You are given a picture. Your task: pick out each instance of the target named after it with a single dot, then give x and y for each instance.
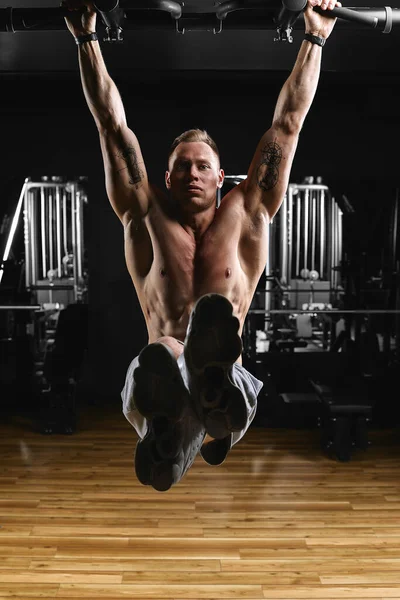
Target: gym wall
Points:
(349, 139)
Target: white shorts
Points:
(245, 381)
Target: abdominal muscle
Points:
(182, 271)
(167, 298)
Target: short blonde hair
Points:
(194, 135)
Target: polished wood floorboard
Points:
(278, 520)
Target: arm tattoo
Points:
(129, 156)
(268, 171)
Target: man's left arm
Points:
(269, 171)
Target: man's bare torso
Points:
(176, 269)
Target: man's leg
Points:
(224, 394)
(215, 451)
(160, 410)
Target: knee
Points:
(166, 339)
(173, 343)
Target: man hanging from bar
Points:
(194, 266)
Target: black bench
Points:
(345, 413)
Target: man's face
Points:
(194, 176)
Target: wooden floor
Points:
(277, 520)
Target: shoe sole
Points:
(160, 396)
(212, 346)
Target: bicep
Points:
(269, 171)
(125, 172)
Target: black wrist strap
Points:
(88, 37)
(314, 39)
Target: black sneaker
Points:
(212, 346)
(174, 434)
(215, 452)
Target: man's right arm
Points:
(269, 171)
(126, 178)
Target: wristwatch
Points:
(314, 39)
(88, 37)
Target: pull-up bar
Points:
(147, 15)
(112, 14)
(291, 10)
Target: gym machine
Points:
(117, 16)
(314, 333)
(56, 293)
(301, 280)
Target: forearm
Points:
(101, 93)
(299, 89)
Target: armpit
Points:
(133, 223)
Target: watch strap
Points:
(315, 39)
(87, 37)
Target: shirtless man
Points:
(194, 266)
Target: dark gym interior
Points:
(73, 346)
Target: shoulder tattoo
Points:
(129, 156)
(268, 169)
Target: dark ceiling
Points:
(49, 48)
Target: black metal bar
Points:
(52, 19)
(105, 5)
(112, 16)
(32, 19)
(292, 8)
(136, 20)
(169, 6)
(229, 6)
(266, 19)
(294, 5)
(285, 21)
(349, 15)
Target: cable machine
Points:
(52, 214)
